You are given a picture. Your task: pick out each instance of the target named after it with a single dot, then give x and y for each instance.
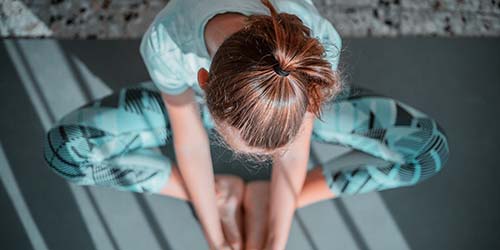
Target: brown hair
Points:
(245, 91)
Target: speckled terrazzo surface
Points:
(107, 19)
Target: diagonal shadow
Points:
(49, 119)
(101, 217)
(340, 207)
(122, 56)
(302, 225)
(153, 223)
(33, 79)
(78, 76)
(306, 231)
(349, 222)
(145, 208)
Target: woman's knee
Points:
(435, 152)
(425, 159)
(66, 151)
(69, 153)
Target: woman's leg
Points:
(229, 191)
(256, 205)
(315, 188)
(175, 186)
(399, 130)
(407, 145)
(395, 145)
(109, 142)
(106, 142)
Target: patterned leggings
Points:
(108, 142)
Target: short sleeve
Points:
(321, 28)
(330, 38)
(162, 58)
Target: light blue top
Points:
(173, 47)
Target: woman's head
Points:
(255, 106)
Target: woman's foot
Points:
(256, 206)
(229, 191)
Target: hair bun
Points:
(251, 86)
(294, 48)
(277, 68)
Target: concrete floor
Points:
(454, 80)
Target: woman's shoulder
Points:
(321, 27)
(168, 47)
(173, 50)
(170, 28)
(179, 24)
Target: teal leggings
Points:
(109, 142)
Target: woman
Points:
(272, 86)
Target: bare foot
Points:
(229, 191)
(256, 206)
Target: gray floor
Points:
(454, 80)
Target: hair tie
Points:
(280, 71)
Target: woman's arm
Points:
(288, 175)
(192, 151)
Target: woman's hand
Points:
(229, 190)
